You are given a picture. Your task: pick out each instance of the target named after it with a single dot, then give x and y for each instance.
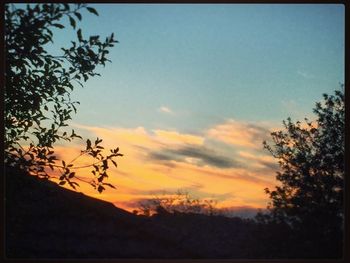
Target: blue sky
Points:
(211, 62)
(193, 90)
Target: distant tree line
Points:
(180, 202)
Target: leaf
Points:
(105, 164)
(77, 15)
(94, 38)
(110, 185)
(88, 144)
(80, 37)
(66, 6)
(100, 188)
(115, 164)
(91, 54)
(72, 185)
(92, 10)
(72, 22)
(58, 25)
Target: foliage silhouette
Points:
(38, 86)
(309, 198)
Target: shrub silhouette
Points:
(38, 86)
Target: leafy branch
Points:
(38, 84)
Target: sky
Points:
(194, 89)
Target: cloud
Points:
(165, 109)
(193, 191)
(240, 175)
(199, 155)
(240, 133)
(260, 161)
(171, 137)
(209, 164)
(207, 157)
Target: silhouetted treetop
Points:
(309, 196)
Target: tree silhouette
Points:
(180, 202)
(38, 86)
(309, 197)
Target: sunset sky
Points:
(193, 90)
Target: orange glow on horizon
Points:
(139, 177)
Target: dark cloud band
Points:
(204, 155)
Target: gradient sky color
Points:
(193, 90)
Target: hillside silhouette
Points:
(44, 220)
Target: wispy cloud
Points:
(259, 161)
(174, 137)
(240, 133)
(165, 109)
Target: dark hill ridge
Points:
(44, 220)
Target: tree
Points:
(38, 86)
(311, 176)
(181, 202)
